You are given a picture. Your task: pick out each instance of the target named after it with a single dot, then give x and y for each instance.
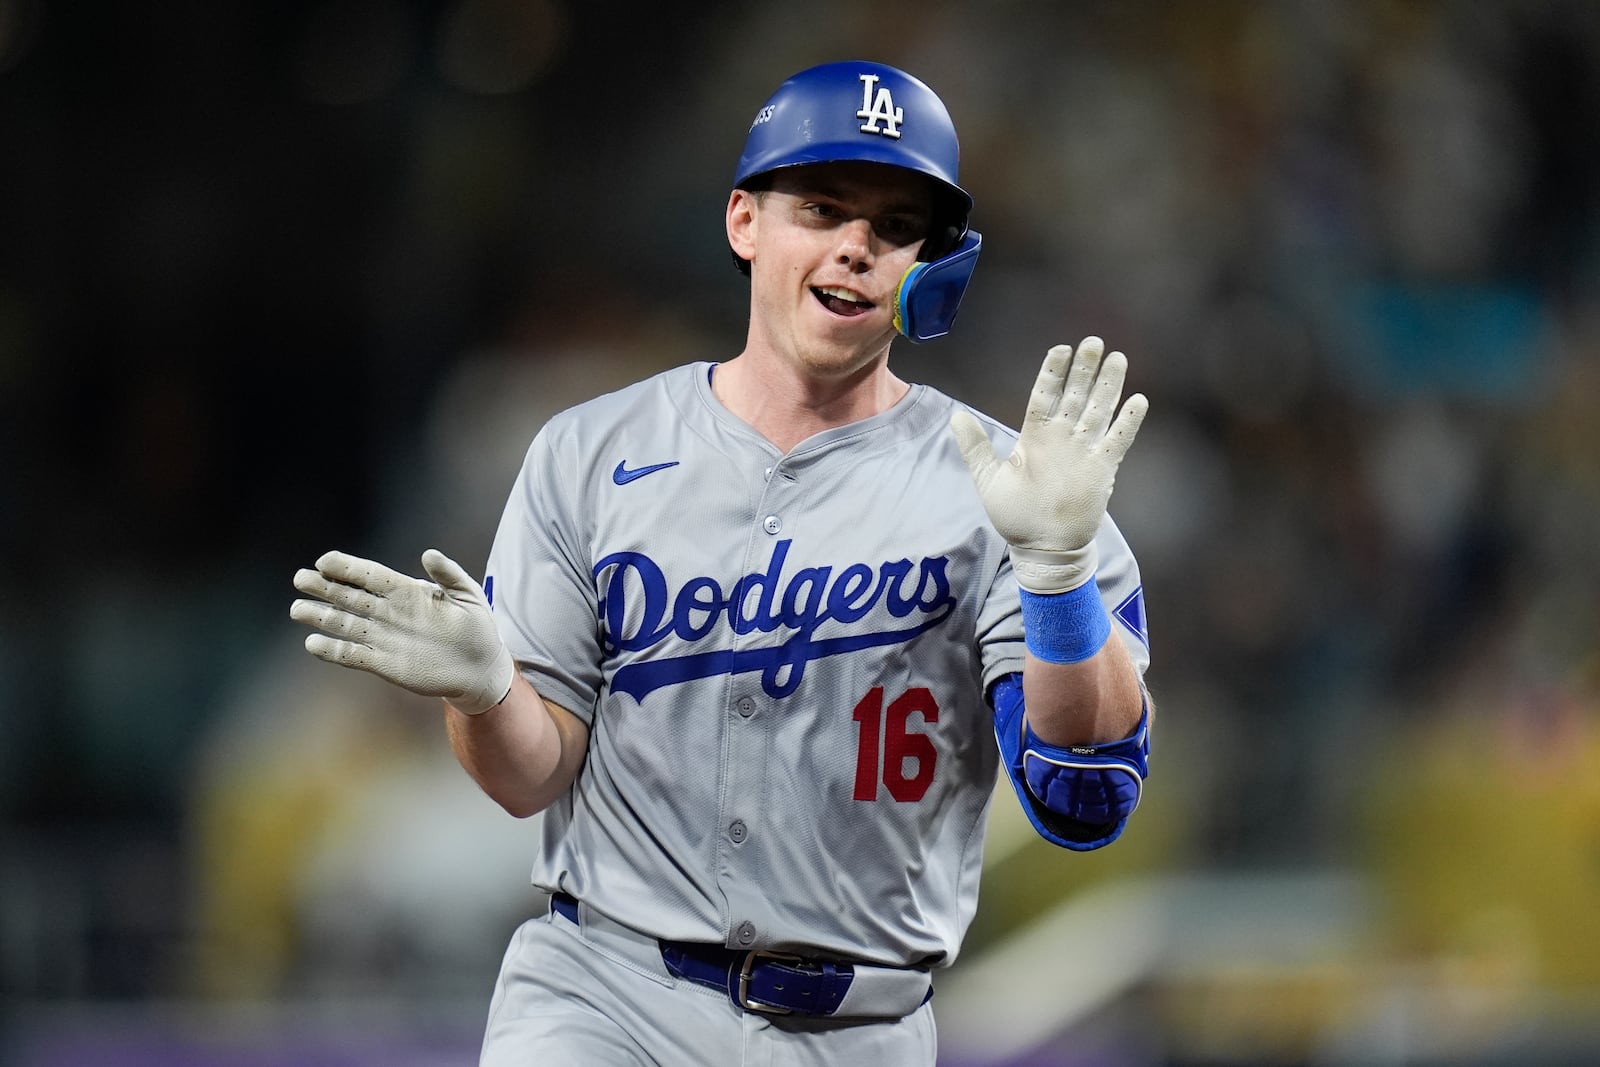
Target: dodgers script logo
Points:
(801, 604)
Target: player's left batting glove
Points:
(436, 638)
(1049, 497)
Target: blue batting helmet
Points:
(868, 112)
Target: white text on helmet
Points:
(879, 108)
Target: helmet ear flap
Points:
(929, 295)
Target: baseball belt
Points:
(776, 983)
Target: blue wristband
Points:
(1065, 627)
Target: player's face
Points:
(828, 245)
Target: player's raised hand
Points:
(434, 637)
(1048, 498)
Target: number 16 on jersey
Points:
(887, 746)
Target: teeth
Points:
(842, 294)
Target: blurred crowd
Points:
(282, 278)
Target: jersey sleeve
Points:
(999, 628)
(1122, 592)
(541, 590)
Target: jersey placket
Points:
(750, 712)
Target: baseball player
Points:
(756, 636)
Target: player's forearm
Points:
(524, 753)
(1092, 702)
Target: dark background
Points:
(280, 278)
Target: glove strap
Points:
(1041, 571)
(1065, 627)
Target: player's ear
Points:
(741, 222)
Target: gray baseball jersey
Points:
(782, 660)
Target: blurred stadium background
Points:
(276, 278)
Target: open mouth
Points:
(841, 301)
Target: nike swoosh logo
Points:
(622, 475)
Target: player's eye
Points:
(901, 229)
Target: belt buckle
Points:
(751, 958)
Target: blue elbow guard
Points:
(1078, 797)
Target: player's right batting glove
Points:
(436, 638)
(1048, 498)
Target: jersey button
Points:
(772, 524)
(737, 831)
(746, 706)
(767, 474)
(746, 933)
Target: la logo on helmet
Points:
(879, 108)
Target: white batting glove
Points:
(436, 638)
(1048, 498)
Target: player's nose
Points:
(855, 247)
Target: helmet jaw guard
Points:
(872, 113)
(926, 301)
